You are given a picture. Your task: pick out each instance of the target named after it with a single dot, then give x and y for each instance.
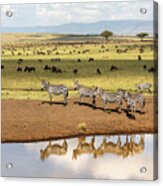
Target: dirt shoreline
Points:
(32, 121)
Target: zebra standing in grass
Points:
(109, 98)
(85, 92)
(132, 99)
(144, 86)
(55, 89)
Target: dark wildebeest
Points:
(91, 59)
(75, 71)
(113, 68)
(145, 67)
(2, 67)
(139, 58)
(55, 89)
(152, 69)
(98, 71)
(46, 67)
(19, 69)
(79, 60)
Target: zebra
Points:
(55, 89)
(85, 92)
(144, 86)
(132, 99)
(106, 97)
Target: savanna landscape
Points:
(106, 61)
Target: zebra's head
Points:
(76, 85)
(126, 95)
(99, 91)
(121, 92)
(44, 85)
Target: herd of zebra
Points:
(107, 97)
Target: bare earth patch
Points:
(30, 121)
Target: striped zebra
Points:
(55, 89)
(109, 98)
(85, 92)
(144, 86)
(132, 99)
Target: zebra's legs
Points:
(65, 100)
(94, 101)
(104, 105)
(50, 98)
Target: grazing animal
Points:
(54, 149)
(91, 59)
(46, 67)
(29, 69)
(75, 71)
(132, 100)
(113, 68)
(152, 69)
(144, 86)
(145, 67)
(139, 58)
(26, 69)
(98, 71)
(2, 67)
(79, 60)
(85, 92)
(20, 61)
(19, 69)
(55, 89)
(109, 98)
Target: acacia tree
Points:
(106, 34)
(142, 35)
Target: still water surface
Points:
(102, 157)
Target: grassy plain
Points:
(104, 53)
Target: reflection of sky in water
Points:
(26, 161)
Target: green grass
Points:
(130, 70)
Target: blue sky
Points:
(61, 13)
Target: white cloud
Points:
(60, 13)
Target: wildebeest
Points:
(85, 92)
(144, 67)
(152, 69)
(19, 69)
(91, 59)
(79, 60)
(144, 86)
(55, 89)
(75, 71)
(46, 67)
(139, 58)
(2, 67)
(29, 69)
(20, 61)
(109, 97)
(98, 71)
(132, 99)
(113, 68)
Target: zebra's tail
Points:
(143, 103)
(67, 93)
